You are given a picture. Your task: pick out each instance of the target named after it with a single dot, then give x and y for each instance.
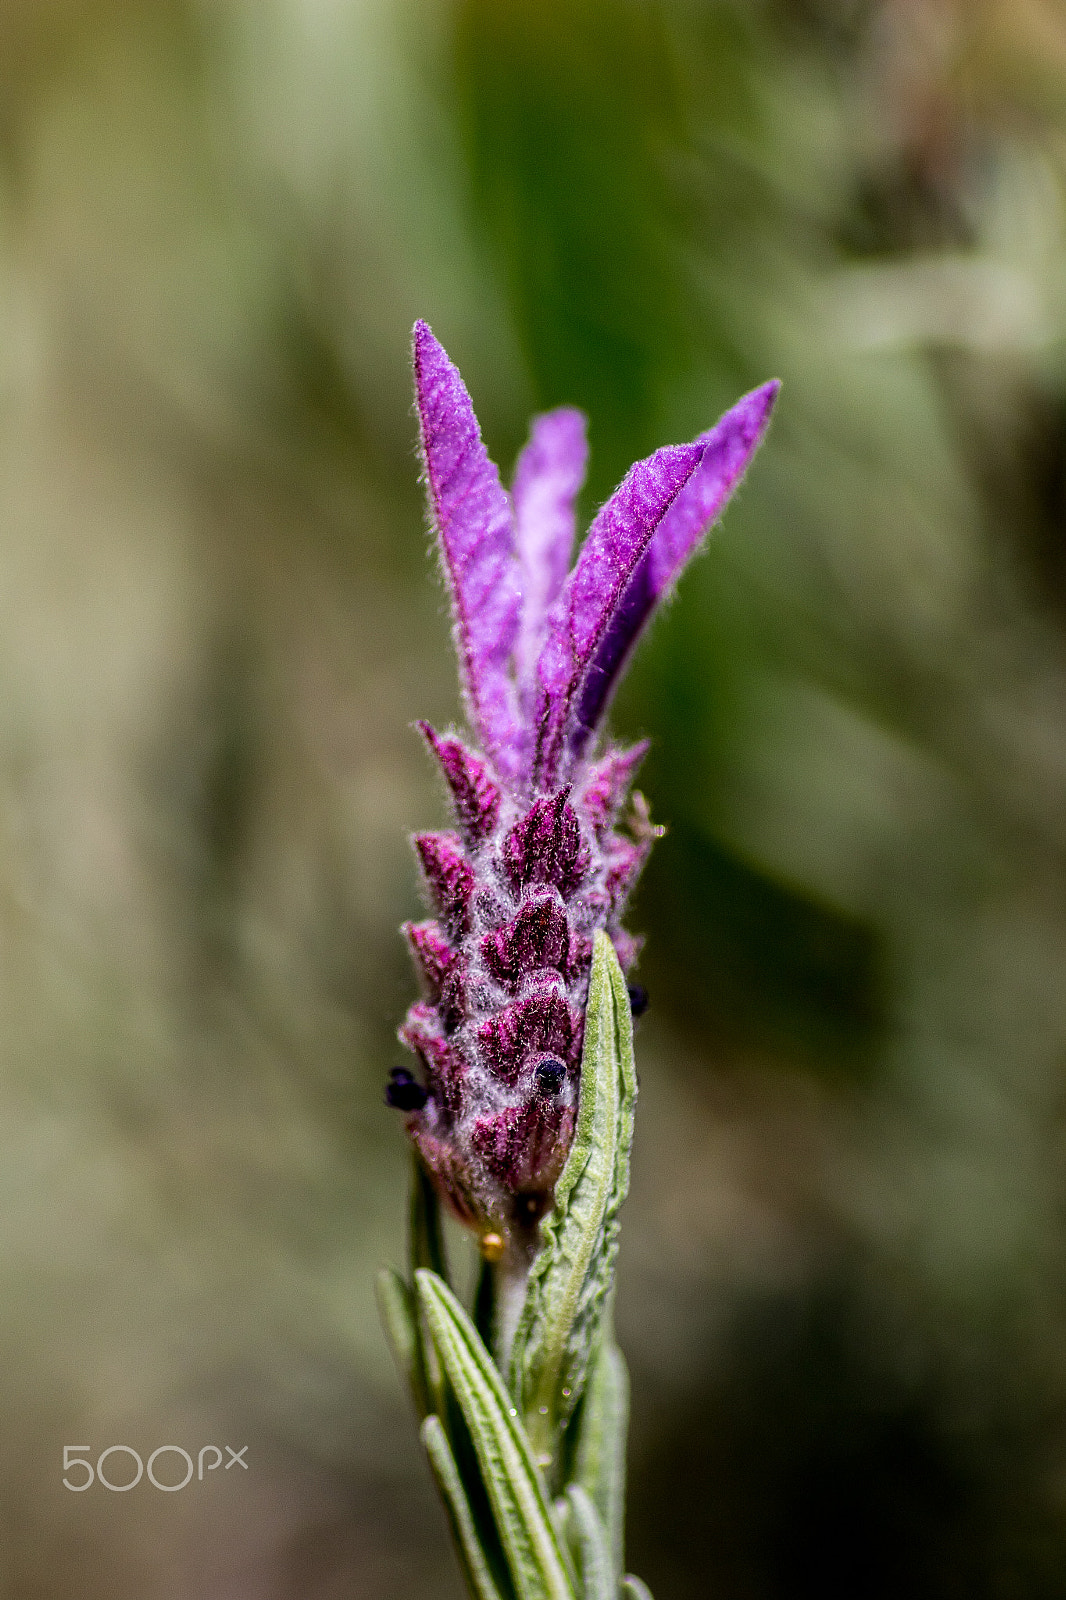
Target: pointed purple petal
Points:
(474, 524)
(475, 797)
(625, 859)
(448, 1171)
(540, 1020)
(545, 846)
(608, 780)
(434, 956)
(583, 612)
(449, 877)
(549, 474)
(444, 1067)
(525, 1146)
(537, 938)
(728, 448)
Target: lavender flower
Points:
(545, 850)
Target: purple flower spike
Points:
(547, 850)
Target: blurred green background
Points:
(843, 1283)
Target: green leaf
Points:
(426, 1233)
(472, 1557)
(571, 1279)
(397, 1308)
(600, 1454)
(634, 1588)
(426, 1248)
(598, 1581)
(486, 1306)
(539, 1568)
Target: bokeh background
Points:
(843, 1282)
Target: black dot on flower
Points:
(549, 1074)
(403, 1091)
(638, 999)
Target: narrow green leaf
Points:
(571, 1279)
(472, 1557)
(600, 1455)
(539, 1568)
(598, 1581)
(634, 1588)
(397, 1307)
(426, 1233)
(426, 1248)
(485, 1304)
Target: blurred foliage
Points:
(844, 1252)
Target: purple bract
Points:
(545, 849)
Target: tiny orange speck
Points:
(492, 1246)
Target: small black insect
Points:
(638, 999)
(403, 1091)
(549, 1074)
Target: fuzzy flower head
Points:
(547, 842)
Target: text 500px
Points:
(118, 1477)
